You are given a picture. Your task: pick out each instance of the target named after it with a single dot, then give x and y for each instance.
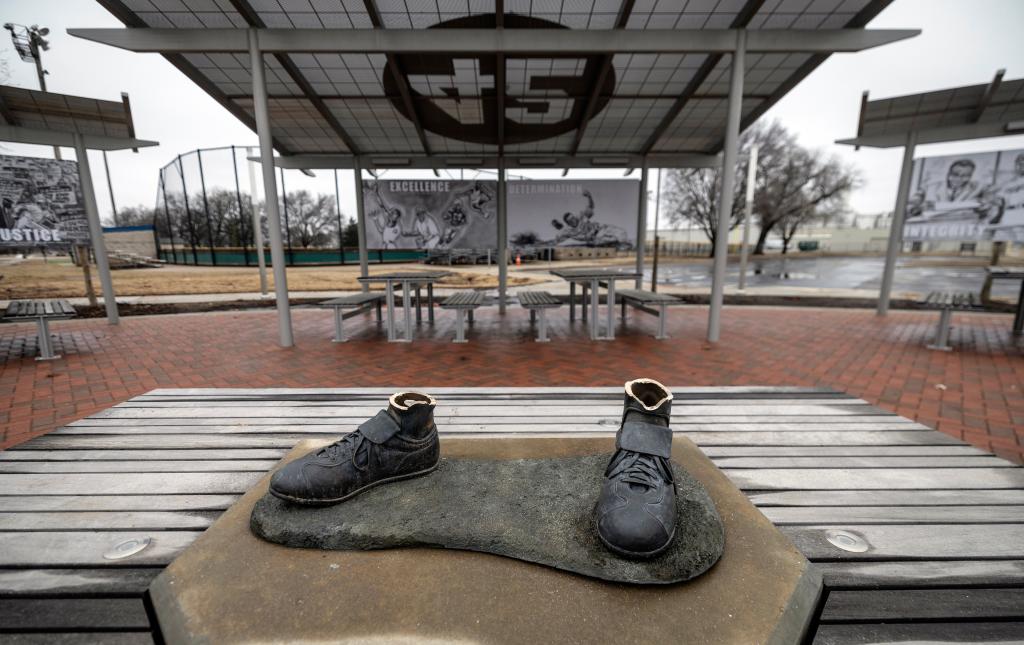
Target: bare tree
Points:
(813, 188)
(794, 186)
(312, 221)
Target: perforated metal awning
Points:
(610, 104)
(970, 112)
(32, 116)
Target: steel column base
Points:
(45, 343)
(942, 333)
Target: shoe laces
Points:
(640, 469)
(354, 442)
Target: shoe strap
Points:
(380, 428)
(646, 438)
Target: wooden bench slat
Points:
(937, 632)
(56, 614)
(924, 604)
(23, 582)
(922, 573)
(961, 300)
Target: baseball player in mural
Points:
(425, 230)
(478, 196)
(387, 220)
(580, 229)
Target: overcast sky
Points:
(962, 43)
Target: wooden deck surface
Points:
(944, 520)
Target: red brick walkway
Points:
(975, 392)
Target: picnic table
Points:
(42, 312)
(593, 278)
(919, 536)
(1005, 273)
(408, 280)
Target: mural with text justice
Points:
(978, 196)
(41, 203)
(430, 214)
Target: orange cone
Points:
(519, 260)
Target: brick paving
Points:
(975, 392)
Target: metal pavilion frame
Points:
(257, 41)
(898, 127)
(66, 133)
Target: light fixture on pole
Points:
(30, 42)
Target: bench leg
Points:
(45, 343)
(583, 302)
(389, 295)
(610, 332)
(1018, 318)
(471, 320)
(339, 332)
(542, 330)
(378, 311)
(533, 316)
(419, 305)
(661, 323)
(572, 301)
(460, 331)
(623, 310)
(430, 302)
(406, 310)
(942, 333)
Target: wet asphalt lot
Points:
(841, 273)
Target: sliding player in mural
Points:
(581, 229)
(387, 220)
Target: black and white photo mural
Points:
(592, 213)
(430, 214)
(976, 196)
(41, 203)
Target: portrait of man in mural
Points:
(957, 196)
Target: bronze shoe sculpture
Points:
(400, 442)
(636, 511)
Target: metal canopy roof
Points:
(970, 112)
(557, 106)
(33, 116)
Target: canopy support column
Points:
(892, 252)
(364, 258)
(732, 136)
(92, 214)
(259, 94)
(747, 214)
(502, 237)
(257, 225)
(641, 227)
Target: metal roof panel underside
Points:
(646, 103)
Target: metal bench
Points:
(41, 311)
(539, 301)
(358, 301)
(643, 300)
(462, 302)
(945, 302)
